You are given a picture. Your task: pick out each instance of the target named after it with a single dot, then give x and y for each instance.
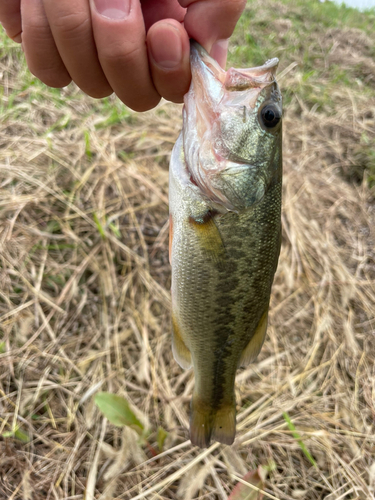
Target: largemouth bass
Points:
(225, 231)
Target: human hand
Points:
(138, 49)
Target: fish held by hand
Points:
(225, 231)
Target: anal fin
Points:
(254, 346)
(180, 352)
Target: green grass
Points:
(85, 281)
(299, 439)
(260, 35)
(264, 31)
(256, 36)
(256, 39)
(305, 37)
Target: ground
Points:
(85, 278)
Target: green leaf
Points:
(22, 436)
(2, 347)
(298, 438)
(114, 230)
(99, 226)
(53, 227)
(270, 467)
(117, 410)
(87, 143)
(18, 434)
(161, 436)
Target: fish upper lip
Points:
(258, 76)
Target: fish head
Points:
(232, 130)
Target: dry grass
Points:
(84, 306)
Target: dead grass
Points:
(84, 306)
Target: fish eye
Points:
(270, 115)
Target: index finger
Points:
(10, 18)
(120, 37)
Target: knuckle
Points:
(72, 24)
(115, 52)
(119, 56)
(35, 26)
(37, 35)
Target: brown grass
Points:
(82, 311)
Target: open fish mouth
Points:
(205, 70)
(221, 108)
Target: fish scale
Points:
(225, 207)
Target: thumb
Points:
(211, 23)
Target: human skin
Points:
(138, 49)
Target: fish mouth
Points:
(237, 79)
(213, 92)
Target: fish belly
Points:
(222, 271)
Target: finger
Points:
(168, 49)
(70, 23)
(120, 38)
(10, 18)
(166, 9)
(42, 56)
(212, 22)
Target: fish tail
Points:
(207, 424)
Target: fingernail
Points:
(113, 9)
(17, 38)
(166, 48)
(219, 52)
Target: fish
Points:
(225, 187)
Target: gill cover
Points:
(232, 130)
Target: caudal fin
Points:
(206, 424)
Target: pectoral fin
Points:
(180, 352)
(253, 348)
(209, 236)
